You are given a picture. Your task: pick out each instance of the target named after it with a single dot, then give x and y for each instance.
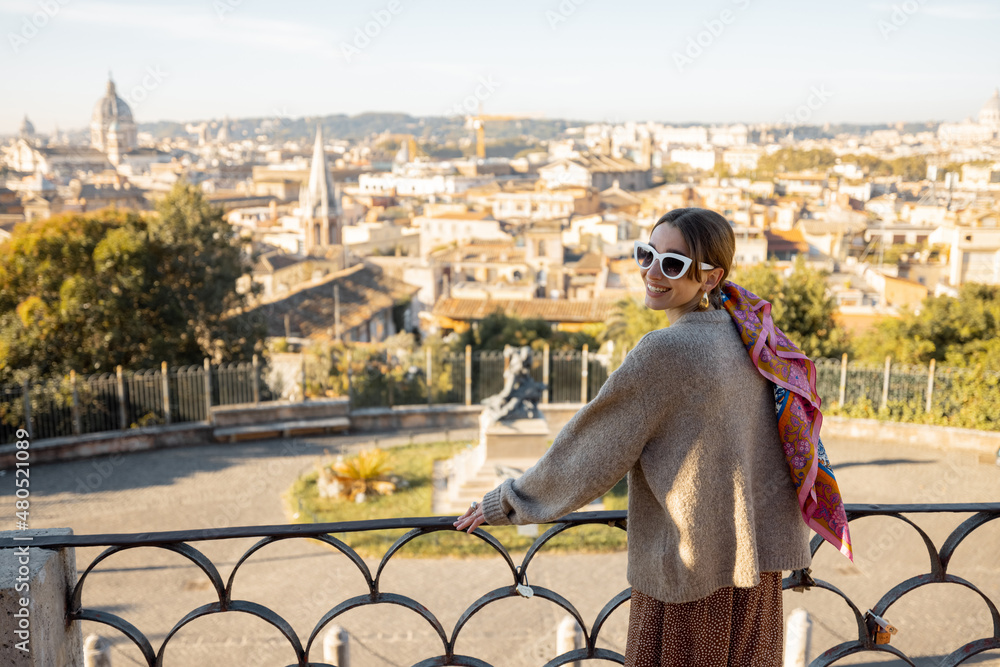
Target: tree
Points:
(87, 292)
(791, 159)
(799, 306)
(963, 331)
(631, 321)
(498, 329)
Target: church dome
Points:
(112, 130)
(990, 113)
(111, 108)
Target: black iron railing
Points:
(177, 541)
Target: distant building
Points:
(370, 303)
(595, 171)
(974, 255)
(112, 129)
(545, 204)
(970, 133)
(319, 204)
(440, 229)
(696, 158)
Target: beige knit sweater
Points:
(692, 422)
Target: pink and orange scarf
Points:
(799, 418)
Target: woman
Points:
(714, 513)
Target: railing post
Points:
(336, 650)
(208, 391)
(256, 380)
(545, 373)
(165, 383)
(76, 403)
(427, 372)
(350, 385)
(583, 374)
(468, 375)
(568, 637)
(39, 624)
(26, 397)
(843, 380)
(930, 386)
(122, 413)
(885, 384)
(797, 638)
(303, 375)
(388, 377)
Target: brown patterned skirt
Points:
(730, 627)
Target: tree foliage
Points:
(799, 306)
(87, 292)
(498, 329)
(963, 331)
(631, 321)
(791, 159)
(910, 168)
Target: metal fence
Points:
(179, 542)
(77, 405)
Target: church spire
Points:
(319, 179)
(319, 201)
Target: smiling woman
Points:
(713, 512)
(686, 261)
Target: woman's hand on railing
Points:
(472, 519)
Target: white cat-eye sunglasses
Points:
(672, 265)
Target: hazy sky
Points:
(757, 60)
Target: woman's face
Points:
(680, 295)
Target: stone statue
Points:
(520, 394)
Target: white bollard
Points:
(797, 638)
(335, 648)
(568, 637)
(96, 651)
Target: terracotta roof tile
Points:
(365, 290)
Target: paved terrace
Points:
(241, 484)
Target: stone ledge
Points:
(901, 433)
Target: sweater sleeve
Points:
(595, 449)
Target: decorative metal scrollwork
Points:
(177, 541)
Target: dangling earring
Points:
(705, 303)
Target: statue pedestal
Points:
(517, 439)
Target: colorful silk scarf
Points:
(799, 418)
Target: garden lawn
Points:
(415, 464)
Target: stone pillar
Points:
(797, 638)
(336, 648)
(44, 580)
(568, 637)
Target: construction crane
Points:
(478, 122)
